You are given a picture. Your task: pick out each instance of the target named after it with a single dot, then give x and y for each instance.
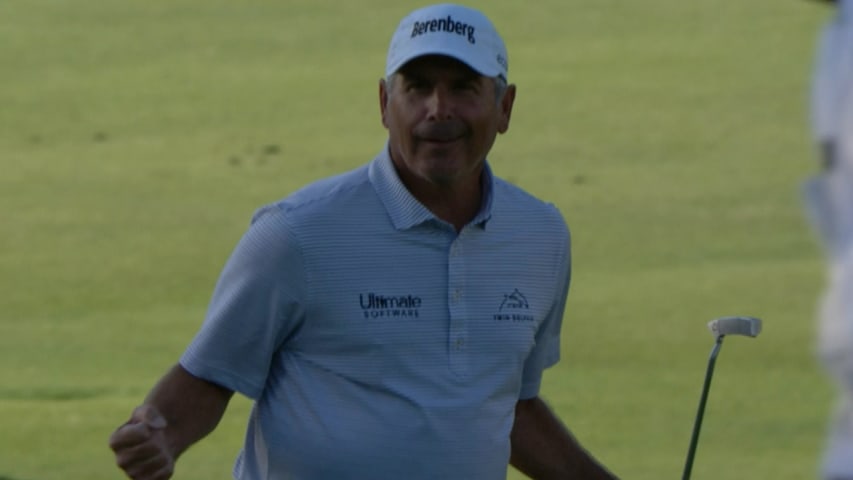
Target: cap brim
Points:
(444, 50)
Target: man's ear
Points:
(383, 101)
(506, 108)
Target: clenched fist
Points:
(141, 448)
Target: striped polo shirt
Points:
(376, 340)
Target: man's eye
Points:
(417, 86)
(467, 86)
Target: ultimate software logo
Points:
(386, 306)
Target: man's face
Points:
(442, 119)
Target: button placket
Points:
(457, 341)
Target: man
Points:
(392, 322)
(829, 202)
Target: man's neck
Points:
(456, 204)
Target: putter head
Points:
(746, 326)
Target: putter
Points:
(745, 326)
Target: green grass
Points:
(136, 139)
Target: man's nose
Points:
(440, 104)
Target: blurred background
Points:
(138, 137)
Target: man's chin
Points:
(436, 148)
(446, 175)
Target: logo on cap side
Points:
(445, 25)
(502, 61)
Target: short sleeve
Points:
(547, 350)
(256, 306)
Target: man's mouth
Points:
(447, 132)
(442, 140)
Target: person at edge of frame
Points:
(393, 321)
(828, 198)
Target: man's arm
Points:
(543, 449)
(180, 410)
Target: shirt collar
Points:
(403, 208)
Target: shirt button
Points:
(460, 343)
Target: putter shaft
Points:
(697, 424)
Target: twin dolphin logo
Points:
(514, 308)
(445, 25)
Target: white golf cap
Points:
(451, 30)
